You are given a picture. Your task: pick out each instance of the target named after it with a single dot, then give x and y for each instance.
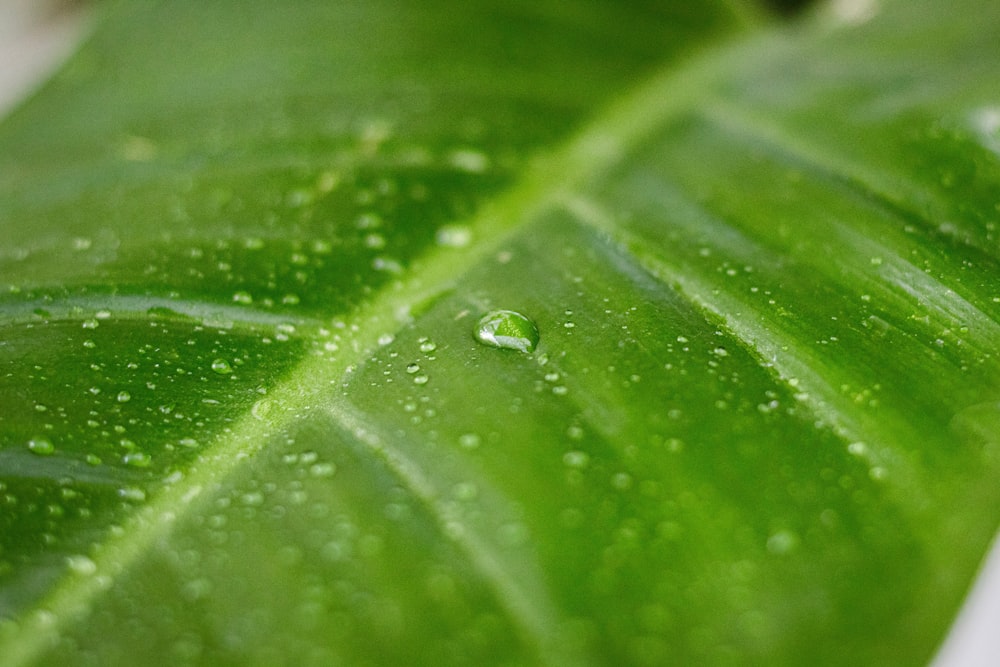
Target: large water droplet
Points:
(222, 367)
(507, 330)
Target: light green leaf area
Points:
(247, 415)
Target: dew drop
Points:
(420, 379)
(428, 346)
(469, 440)
(453, 236)
(132, 494)
(222, 367)
(782, 542)
(507, 330)
(412, 368)
(137, 459)
(323, 470)
(81, 565)
(576, 459)
(124, 397)
(243, 297)
(41, 446)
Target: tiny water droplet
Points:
(420, 379)
(137, 459)
(323, 470)
(427, 346)
(375, 241)
(412, 368)
(469, 160)
(41, 446)
(469, 440)
(508, 330)
(782, 542)
(243, 297)
(81, 565)
(621, 481)
(132, 494)
(453, 236)
(124, 397)
(222, 367)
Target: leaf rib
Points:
(776, 350)
(523, 597)
(942, 292)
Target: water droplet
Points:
(621, 481)
(124, 397)
(507, 330)
(81, 565)
(469, 160)
(453, 236)
(857, 448)
(41, 446)
(412, 368)
(782, 542)
(132, 494)
(428, 346)
(323, 470)
(137, 459)
(469, 440)
(222, 367)
(420, 379)
(576, 459)
(375, 241)
(243, 297)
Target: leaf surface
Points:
(246, 420)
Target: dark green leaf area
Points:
(321, 86)
(350, 564)
(102, 413)
(317, 245)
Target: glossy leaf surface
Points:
(246, 253)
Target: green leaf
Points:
(751, 410)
